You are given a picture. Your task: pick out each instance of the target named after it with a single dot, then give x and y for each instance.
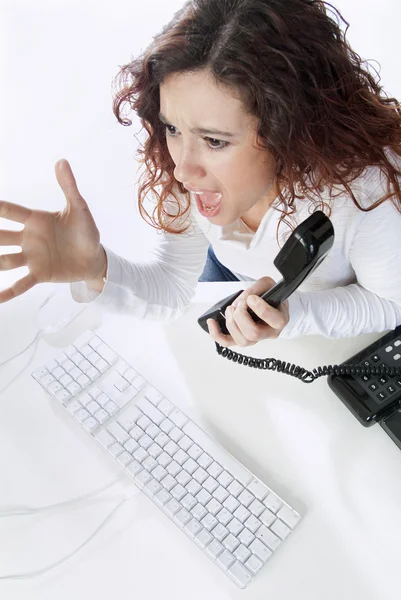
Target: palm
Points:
(56, 246)
(60, 246)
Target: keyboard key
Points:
(193, 487)
(224, 478)
(183, 517)
(204, 460)
(200, 475)
(209, 522)
(143, 477)
(260, 550)
(242, 553)
(214, 469)
(178, 492)
(252, 523)
(131, 446)
(240, 575)
(214, 506)
(214, 549)
(159, 473)
(168, 482)
(267, 537)
(246, 536)
(134, 467)
(204, 538)
(256, 508)
(231, 542)
(267, 517)
(162, 497)
(198, 511)
(289, 516)
(220, 532)
(254, 564)
(193, 527)
(231, 504)
(184, 442)
(90, 424)
(188, 501)
(143, 422)
(190, 466)
(172, 507)
(176, 434)
(235, 526)
(235, 488)
(272, 502)
(165, 407)
(183, 477)
(280, 529)
(210, 484)
(224, 516)
(242, 513)
(203, 497)
(177, 417)
(226, 559)
(194, 451)
(220, 494)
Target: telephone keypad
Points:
(384, 387)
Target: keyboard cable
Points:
(29, 510)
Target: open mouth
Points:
(208, 202)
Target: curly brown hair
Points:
(321, 114)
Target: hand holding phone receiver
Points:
(304, 250)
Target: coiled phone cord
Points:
(274, 364)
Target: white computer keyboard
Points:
(231, 515)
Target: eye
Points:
(168, 129)
(212, 143)
(220, 144)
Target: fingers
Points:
(19, 287)
(237, 333)
(66, 181)
(259, 287)
(12, 261)
(10, 238)
(217, 336)
(273, 316)
(14, 212)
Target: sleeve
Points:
(159, 290)
(371, 304)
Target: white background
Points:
(57, 62)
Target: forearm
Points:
(340, 312)
(160, 289)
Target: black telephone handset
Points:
(304, 250)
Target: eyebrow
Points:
(201, 130)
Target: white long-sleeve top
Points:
(356, 289)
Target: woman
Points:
(257, 113)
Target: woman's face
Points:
(212, 142)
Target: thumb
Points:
(66, 181)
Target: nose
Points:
(188, 167)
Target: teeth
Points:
(208, 208)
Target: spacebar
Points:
(217, 452)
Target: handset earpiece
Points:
(304, 250)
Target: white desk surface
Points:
(298, 438)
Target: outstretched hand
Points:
(58, 247)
